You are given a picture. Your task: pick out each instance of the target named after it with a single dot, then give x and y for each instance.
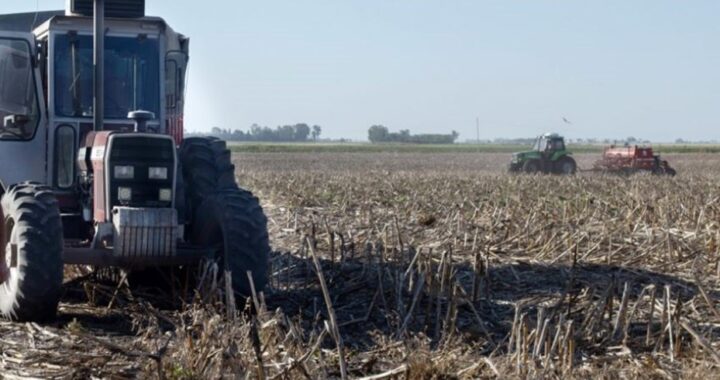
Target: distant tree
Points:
(378, 133)
(216, 131)
(238, 135)
(255, 132)
(285, 133)
(302, 131)
(316, 130)
(679, 141)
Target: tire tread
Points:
(34, 209)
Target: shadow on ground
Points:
(368, 304)
(375, 300)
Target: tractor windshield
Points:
(539, 144)
(132, 75)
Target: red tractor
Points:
(632, 159)
(94, 169)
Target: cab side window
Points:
(19, 113)
(171, 84)
(175, 64)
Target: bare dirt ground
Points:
(434, 266)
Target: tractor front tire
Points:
(566, 166)
(234, 223)
(32, 243)
(531, 167)
(206, 167)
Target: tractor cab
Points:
(94, 169)
(549, 143)
(94, 102)
(144, 69)
(48, 82)
(548, 155)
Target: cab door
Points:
(23, 124)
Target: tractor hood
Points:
(521, 156)
(129, 170)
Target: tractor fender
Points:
(2, 188)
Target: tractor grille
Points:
(141, 152)
(141, 233)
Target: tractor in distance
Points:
(548, 155)
(94, 169)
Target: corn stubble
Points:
(431, 266)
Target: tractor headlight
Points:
(124, 194)
(157, 173)
(124, 172)
(165, 195)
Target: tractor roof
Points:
(553, 135)
(30, 21)
(26, 22)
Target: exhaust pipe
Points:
(99, 64)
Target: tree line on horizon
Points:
(300, 132)
(381, 134)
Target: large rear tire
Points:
(531, 166)
(32, 243)
(206, 167)
(234, 222)
(566, 166)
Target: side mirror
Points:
(15, 121)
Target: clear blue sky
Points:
(644, 68)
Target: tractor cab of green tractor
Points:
(548, 155)
(549, 144)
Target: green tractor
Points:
(548, 155)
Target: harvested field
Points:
(425, 266)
